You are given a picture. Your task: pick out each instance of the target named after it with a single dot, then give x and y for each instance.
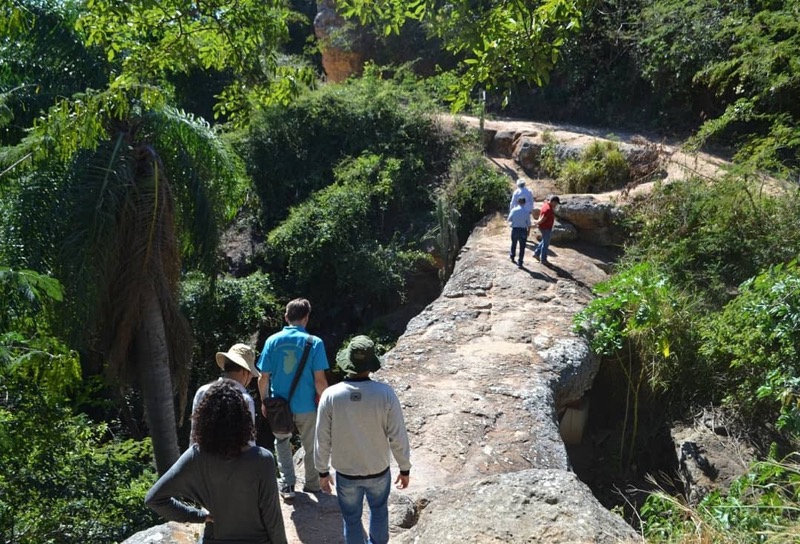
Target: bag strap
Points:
(300, 367)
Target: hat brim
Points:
(222, 356)
(351, 368)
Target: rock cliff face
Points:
(484, 375)
(343, 46)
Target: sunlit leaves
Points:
(501, 43)
(150, 40)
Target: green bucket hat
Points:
(359, 356)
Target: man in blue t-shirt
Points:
(278, 363)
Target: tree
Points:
(138, 185)
(499, 42)
(758, 82)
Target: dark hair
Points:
(230, 366)
(222, 423)
(297, 309)
(554, 198)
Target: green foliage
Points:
(676, 40)
(759, 507)
(548, 159)
(754, 347)
(242, 37)
(444, 235)
(474, 189)
(714, 236)
(759, 79)
(499, 43)
(644, 323)
(602, 167)
(43, 58)
(292, 151)
(63, 479)
(226, 312)
(641, 307)
(336, 238)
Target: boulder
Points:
(596, 221)
(168, 533)
(502, 143)
(343, 46)
(527, 506)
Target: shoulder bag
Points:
(279, 414)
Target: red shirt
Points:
(546, 216)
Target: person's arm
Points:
(263, 384)
(320, 382)
(398, 440)
(269, 506)
(176, 482)
(322, 443)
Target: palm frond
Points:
(206, 175)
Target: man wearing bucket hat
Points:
(359, 425)
(238, 365)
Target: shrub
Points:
(601, 167)
(713, 236)
(293, 150)
(759, 507)
(754, 345)
(61, 479)
(333, 246)
(475, 189)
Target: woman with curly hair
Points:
(232, 482)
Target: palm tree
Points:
(111, 190)
(120, 228)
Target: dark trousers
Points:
(519, 235)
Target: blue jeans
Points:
(518, 236)
(541, 247)
(351, 502)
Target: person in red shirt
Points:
(547, 218)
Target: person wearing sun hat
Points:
(521, 192)
(238, 365)
(359, 427)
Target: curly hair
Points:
(222, 423)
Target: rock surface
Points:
(528, 506)
(342, 45)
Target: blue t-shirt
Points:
(281, 357)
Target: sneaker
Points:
(287, 492)
(311, 490)
(519, 264)
(512, 258)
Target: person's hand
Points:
(263, 410)
(401, 481)
(209, 519)
(326, 484)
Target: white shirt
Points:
(522, 192)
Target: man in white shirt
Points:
(520, 221)
(359, 424)
(522, 192)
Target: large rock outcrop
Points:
(343, 45)
(484, 374)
